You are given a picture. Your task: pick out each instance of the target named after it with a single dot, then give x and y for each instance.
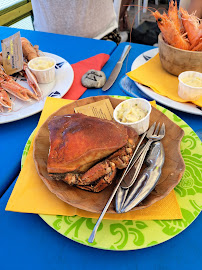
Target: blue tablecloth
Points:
(27, 242)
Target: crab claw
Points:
(5, 100)
(32, 81)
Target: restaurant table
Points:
(26, 241)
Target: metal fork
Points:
(136, 165)
(152, 135)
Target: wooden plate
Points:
(94, 202)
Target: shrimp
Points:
(192, 27)
(173, 16)
(170, 34)
(198, 47)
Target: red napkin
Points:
(95, 62)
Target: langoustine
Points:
(8, 84)
(30, 52)
(5, 100)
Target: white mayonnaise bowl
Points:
(186, 88)
(138, 109)
(43, 68)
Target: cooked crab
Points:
(87, 151)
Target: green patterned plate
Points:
(132, 235)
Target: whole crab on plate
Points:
(95, 201)
(87, 151)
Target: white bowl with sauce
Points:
(135, 113)
(190, 85)
(43, 68)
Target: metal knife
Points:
(117, 69)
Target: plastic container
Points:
(187, 91)
(43, 75)
(141, 125)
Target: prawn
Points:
(173, 16)
(198, 47)
(170, 34)
(192, 27)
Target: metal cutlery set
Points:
(135, 185)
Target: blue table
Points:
(27, 242)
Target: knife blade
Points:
(117, 69)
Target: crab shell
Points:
(78, 142)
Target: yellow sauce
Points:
(41, 64)
(130, 113)
(192, 81)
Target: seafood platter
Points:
(23, 93)
(82, 172)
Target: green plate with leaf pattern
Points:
(132, 235)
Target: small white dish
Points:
(43, 75)
(141, 125)
(185, 90)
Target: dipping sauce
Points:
(192, 81)
(41, 63)
(130, 113)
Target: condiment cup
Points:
(142, 125)
(186, 91)
(45, 75)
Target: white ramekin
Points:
(188, 92)
(142, 125)
(45, 75)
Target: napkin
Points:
(80, 68)
(160, 81)
(30, 195)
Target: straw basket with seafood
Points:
(180, 41)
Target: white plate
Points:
(185, 107)
(57, 89)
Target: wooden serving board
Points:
(94, 202)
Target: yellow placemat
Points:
(160, 81)
(30, 195)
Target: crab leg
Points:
(5, 100)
